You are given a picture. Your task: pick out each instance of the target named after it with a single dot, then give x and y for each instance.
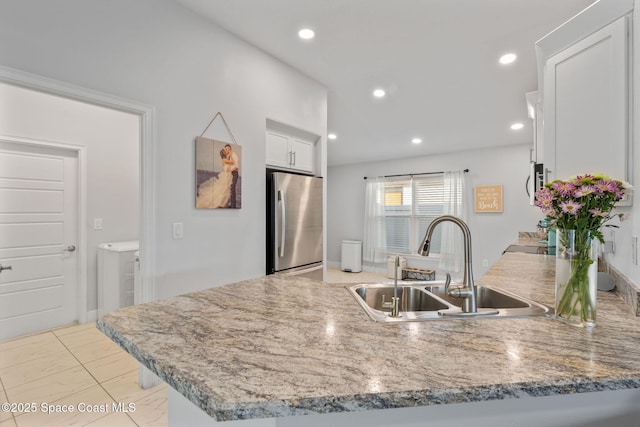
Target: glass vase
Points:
(576, 274)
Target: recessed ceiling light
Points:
(517, 126)
(508, 58)
(306, 34)
(379, 93)
(332, 136)
(416, 140)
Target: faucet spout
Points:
(468, 289)
(395, 300)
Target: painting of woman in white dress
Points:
(217, 174)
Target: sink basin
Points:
(428, 301)
(507, 303)
(415, 302)
(485, 298)
(411, 298)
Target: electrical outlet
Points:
(97, 223)
(485, 263)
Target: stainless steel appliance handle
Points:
(283, 221)
(306, 271)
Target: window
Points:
(409, 207)
(399, 210)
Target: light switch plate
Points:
(97, 223)
(178, 230)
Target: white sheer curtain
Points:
(452, 243)
(374, 245)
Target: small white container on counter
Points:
(391, 262)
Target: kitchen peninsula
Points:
(273, 348)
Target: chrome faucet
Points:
(395, 300)
(468, 288)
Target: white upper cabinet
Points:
(277, 150)
(302, 153)
(287, 152)
(586, 105)
(585, 82)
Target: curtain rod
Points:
(413, 174)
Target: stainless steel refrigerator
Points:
(294, 224)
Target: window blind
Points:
(410, 205)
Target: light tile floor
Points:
(79, 366)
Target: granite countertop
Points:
(279, 346)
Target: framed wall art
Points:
(218, 173)
(487, 198)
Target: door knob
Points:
(70, 248)
(5, 268)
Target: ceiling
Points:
(436, 59)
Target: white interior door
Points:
(38, 238)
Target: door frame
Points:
(148, 136)
(82, 270)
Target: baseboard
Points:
(334, 264)
(92, 316)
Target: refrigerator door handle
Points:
(283, 221)
(301, 272)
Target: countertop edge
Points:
(196, 396)
(372, 401)
(419, 398)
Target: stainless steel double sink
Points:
(429, 301)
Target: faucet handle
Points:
(456, 291)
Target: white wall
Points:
(158, 53)
(112, 140)
(491, 232)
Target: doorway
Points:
(85, 306)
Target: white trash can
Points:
(352, 256)
(116, 262)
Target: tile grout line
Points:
(13, 417)
(100, 384)
(94, 378)
(73, 354)
(47, 376)
(68, 351)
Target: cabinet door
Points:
(277, 150)
(586, 106)
(303, 158)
